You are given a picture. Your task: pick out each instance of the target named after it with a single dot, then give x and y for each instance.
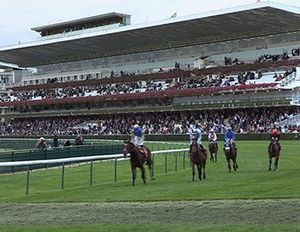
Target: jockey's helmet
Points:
(211, 130)
(42, 139)
(229, 128)
(135, 126)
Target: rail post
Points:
(116, 168)
(176, 161)
(13, 159)
(183, 161)
(27, 180)
(63, 176)
(91, 173)
(152, 169)
(166, 163)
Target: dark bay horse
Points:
(198, 158)
(274, 151)
(231, 154)
(213, 150)
(138, 156)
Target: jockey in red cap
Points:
(275, 134)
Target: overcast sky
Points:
(19, 16)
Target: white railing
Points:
(79, 159)
(91, 159)
(290, 79)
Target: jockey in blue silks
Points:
(229, 137)
(137, 131)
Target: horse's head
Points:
(194, 146)
(227, 147)
(128, 146)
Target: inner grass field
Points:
(251, 181)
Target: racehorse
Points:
(274, 151)
(213, 150)
(138, 156)
(198, 158)
(231, 154)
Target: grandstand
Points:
(208, 63)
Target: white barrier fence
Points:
(91, 159)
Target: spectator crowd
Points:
(202, 81)
(243, 121)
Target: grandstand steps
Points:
(292, 120)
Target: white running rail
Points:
(79, 159)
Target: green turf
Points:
(252, 181)
(157, 227)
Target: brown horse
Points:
(231, 154)
(198, 158)
(274, 151)
(138, 156)
(213, 150)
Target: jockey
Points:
(191, 133)
(137, 131)
(196, 133)
(229, 137)
(212, 136)
(275, 134)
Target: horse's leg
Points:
(150, 166)
(276, 163)
(203, 166)
(193, 172)
(234, 164)
(211, 156)
(229, 167)
(270, 162)
(133, 171)
(143, 174)
(199, 171)
(216, 155)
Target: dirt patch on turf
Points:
(208, 212)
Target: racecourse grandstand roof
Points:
(9, 66)
(252, 20)
(84, 23)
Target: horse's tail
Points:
(149, 161)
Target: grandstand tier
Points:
(240, 58)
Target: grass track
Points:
(156, 227)
(252, 181)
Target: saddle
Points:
(143, 151)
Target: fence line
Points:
(91, 159)
(158, 142)
(77, 159)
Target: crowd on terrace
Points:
(193, 81)
(93, 90)
(258, 120)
